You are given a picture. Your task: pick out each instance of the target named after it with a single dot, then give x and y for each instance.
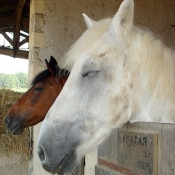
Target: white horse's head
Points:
(99, 93)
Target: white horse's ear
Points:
(122, 22)
(89, 22)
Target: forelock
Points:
(42, 76)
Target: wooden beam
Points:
(24, 41)
(22, 34)
(17, 26)
(6, 21)
(25, 25)
(9, 7)
(20, 54)
(6, 37)
(7, 30)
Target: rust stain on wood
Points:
(117, 168)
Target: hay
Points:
(10, 143)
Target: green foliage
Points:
(13, 81)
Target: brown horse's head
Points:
(32, 107)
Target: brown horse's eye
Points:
(37, 89)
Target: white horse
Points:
(120, 73)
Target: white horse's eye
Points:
(90, 74)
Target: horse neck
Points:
(62, 81)
(153, 79)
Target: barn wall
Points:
(14, 164)
(64, 23)
(36, 42)
(56, 24)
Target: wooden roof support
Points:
(21, 34)
(24, 41)
(6, 21)
(6, 37)
(9, 52)
(17, 25)
(7, 30)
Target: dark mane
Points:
(42, 76)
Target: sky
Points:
(9, 65)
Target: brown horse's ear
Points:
(52, 65)
(47, 63)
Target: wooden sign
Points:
(138, 152)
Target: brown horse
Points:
(32, 107)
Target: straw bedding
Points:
(10, 143)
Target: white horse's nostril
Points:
(41, 154)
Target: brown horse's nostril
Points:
(41, 154)
(7, 120)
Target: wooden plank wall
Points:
(108, 151)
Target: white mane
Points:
(157, 62)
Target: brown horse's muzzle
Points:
(7, 120)
(13, 126)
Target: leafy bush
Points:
(13, 81)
